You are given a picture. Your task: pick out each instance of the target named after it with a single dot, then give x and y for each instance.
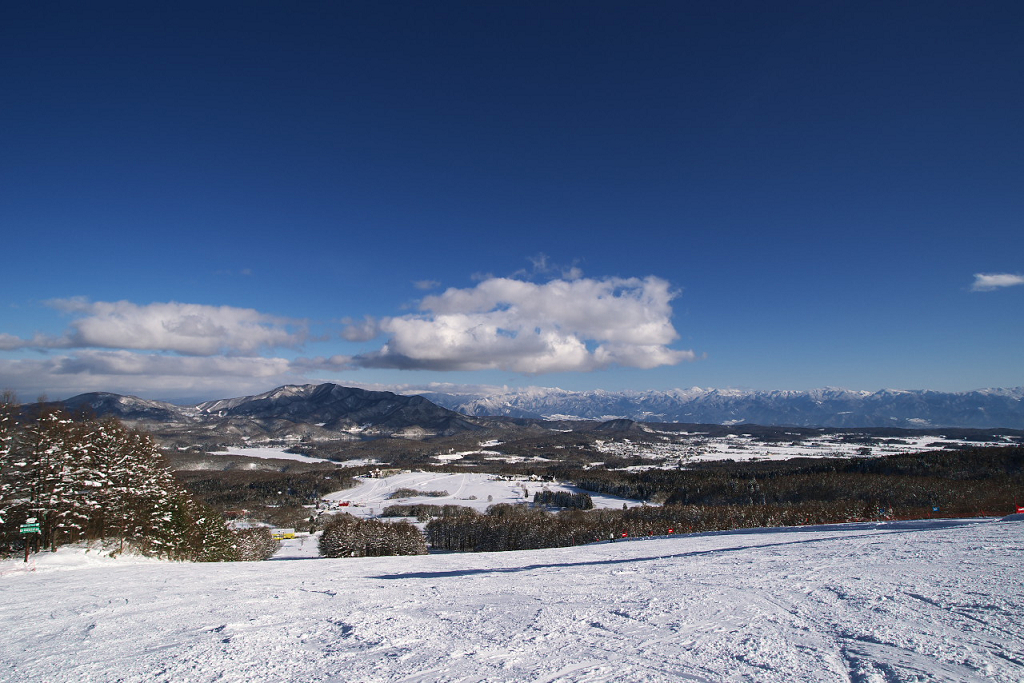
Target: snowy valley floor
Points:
(903, 601)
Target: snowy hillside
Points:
(903, 601)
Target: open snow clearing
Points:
(472, 490)
(899, 601)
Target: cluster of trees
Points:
(97, 479)
(348, 536)
(421, 511)
(255, 544)
(415, 493)
(564, 499)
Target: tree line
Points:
(97, 479)
(564, 499)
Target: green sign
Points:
(30, 528)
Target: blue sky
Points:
(205, 200)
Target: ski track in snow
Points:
(936, 600)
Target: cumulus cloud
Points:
(176, 350)
(191, 329)
(986, 282)
(562, 325)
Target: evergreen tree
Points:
(8, 430)
(99, 479)
(346, 536)
(256, 544)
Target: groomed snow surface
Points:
(901, 601)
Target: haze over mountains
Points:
(331, 407)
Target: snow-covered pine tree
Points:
(338, 538)
(118, 449)
(346, 536)
(408, 540)
(76, 498)
(38, 461)
(255, 544)
(97, 479)
(8, 430)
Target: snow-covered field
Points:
(268, 454)
(686, 448)
(681, 448)
(473, 490)
(901, 601)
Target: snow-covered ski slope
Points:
(902, 601)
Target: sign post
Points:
(29, 527)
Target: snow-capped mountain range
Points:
(828, 407)
(333, 407)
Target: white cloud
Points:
(986, 282)
(9, 342)
(510, 324)
(132, 363)
(131, 372)
(176, 350)
(360, 331)
(191, 329)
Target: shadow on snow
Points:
(881, 529)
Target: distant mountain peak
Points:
(337, 407)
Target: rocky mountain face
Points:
(984, 409)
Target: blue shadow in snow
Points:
(881, 529)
